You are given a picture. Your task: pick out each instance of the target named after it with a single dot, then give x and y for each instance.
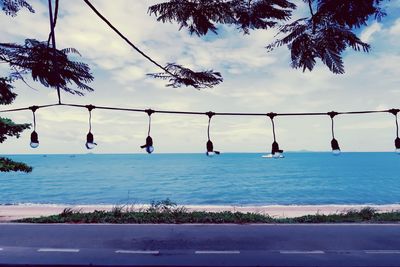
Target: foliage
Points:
(8, 165)
(168, 212)
(200, 16)
(9, 128)
(178, 75)
(49, 66)
(6, 94)
(324, 35)
(11, 7)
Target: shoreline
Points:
(20, 211)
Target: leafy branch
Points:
(42, 62)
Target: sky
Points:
(254, 81)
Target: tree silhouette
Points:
(324, 35)
(45, 64)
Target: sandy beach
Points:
(14, 212)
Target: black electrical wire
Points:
(273, 129)
(149, 129)
(203, 113)
(53, 41)
(90, 121)
(127, 40)
(34, 120)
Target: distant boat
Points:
(271, 156)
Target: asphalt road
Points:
(200, 245)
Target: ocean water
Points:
(228, 179)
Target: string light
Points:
(395, 112)
(34, 136)
(275, 151)
(90, 144)
(334, 143)
(149, 141)
(209, 145)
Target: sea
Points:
(226, 179)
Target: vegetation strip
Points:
(167, 212)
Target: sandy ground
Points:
(14, 212)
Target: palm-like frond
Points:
(261, 14)
(50, 67)
(318, 37)
(184, 76)
(201, 16)
(350, 13)
(6, 94)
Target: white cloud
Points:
(254, 81)
(368, 33)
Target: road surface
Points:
(200, 245)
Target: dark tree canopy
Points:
(324, 35)
(45, 64)
(200, 16)
(11, 7)
(51, 67)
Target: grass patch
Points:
(169, 213)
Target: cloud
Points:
(368, 33)
(254, 81)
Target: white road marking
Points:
(64, 250)
(302, 252)
(153, 252)
(217, 252)
(382, 251)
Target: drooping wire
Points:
(90, 108)
(149, 113)
(90, 121)
(208, 128)
(332, 115)
(149, 129)
(34, 119)
(202, 113)
(272, 115)
(127, 40)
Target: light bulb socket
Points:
(275, 148)
(335, 145)
(149, 145)
(397, 143)
(210, 149)
(34, 140)
(210, 146)
(90, 144)
(89, 138)
(34, 137)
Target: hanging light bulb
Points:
(34, 136)
(34, 140)
(90, 144)
(334, 143)
(209, 145)
(395, 112)
(149, 141)
(275, 151)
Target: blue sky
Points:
(254, 81)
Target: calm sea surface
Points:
(241, 179)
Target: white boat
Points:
(272, 156)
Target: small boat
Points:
(272, 156)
